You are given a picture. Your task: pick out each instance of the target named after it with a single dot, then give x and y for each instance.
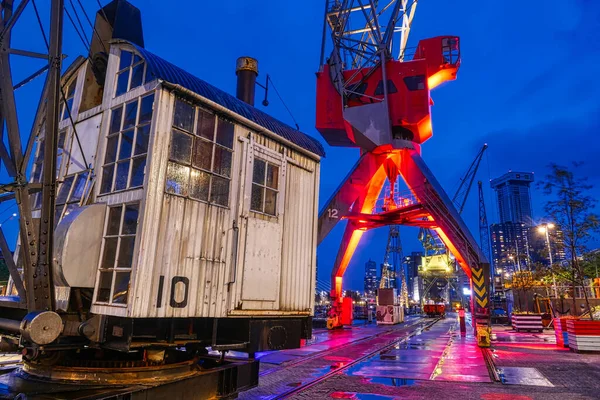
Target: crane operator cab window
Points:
(450, 50)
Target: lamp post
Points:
(545, 228)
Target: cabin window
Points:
(117, 254)
(390, 87)
(127, 145)
(71, 191)
(200, 155)
(416, 82)
(265, 187)
(36, 172)
(67, 107)
(131, 72)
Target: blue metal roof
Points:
(168, 72)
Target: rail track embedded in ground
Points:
(320, 354)
(348, 365)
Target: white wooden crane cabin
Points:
(178, 200)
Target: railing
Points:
(399, 199)
(593, 292)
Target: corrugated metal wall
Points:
(194, 240)
(297, 266)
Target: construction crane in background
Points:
(484, 232)
(432, 244)
(437, 261)
(392, 270)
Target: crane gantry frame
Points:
(380, 103)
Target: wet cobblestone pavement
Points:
(435, 363)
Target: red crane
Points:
(371, 95)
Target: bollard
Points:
(463, 324)
(462, 320)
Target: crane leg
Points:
(367, 197)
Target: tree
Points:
(570, 208)
(4, 275)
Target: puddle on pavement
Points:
(522, 376)
(360, 396)
(393, 381)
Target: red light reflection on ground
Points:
(342, 395)
(533, 346)
(502, 396)
(338, 359)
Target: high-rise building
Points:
(514, 197)
(412, 264)
(371, 282)
(510, 236)
(510, 246)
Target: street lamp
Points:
(545, 228)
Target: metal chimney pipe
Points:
(246, 70)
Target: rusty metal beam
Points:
(43, 283)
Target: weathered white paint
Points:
(262, 262)
(298, 257)
(87, 131)
(234, 261)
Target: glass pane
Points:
(68, 109)
(71, 89)
(130, 114)
(58, 214)
(181, 146)
(219, 191)
(77, 192)
(200, 181)
(177, 179)
(111, 149)
(110, 252)
(38, 201)
(65, 188)
(146, 109)
(137, 172)
(122, 80)
(126, 144)
(125, 59)
(270, 202)
(136, 58)
(206, 125)
(126, 252)
(115, 121)
(225, 133)
(107, 178)
(184, 115)
(258, 176)
(130, 219)
(61, 140)
(121, 288)
(114, 220)
(202, 154)
(256, 200)
(58, 164)
(137, 75)
(272, 176)
(122, 173)
(40, 154)
(222, 164)
(141, 141)
(69, 208)
(104, 287)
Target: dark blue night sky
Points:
(528, 86)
